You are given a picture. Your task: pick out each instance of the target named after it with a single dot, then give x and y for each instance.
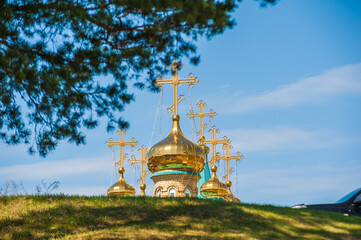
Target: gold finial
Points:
(201, 115)
(175, 81)
(227, 157)
(214, 141)
(121, 187)
(143, 161)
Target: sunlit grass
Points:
(64, 217)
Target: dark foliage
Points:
(51, 52)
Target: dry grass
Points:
(63, 217)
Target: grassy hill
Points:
(64, 217)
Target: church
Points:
(179, 167)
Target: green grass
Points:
(74, 217)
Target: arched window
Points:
(159, 193)
(172, 192)
(187, 192)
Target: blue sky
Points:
(286, 86)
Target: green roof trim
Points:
(175, 165)
(175, 172)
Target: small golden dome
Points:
(230, 197)
(121, 187)
(213, 188)
(176, 152)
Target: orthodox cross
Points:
(143, 161)
(201, 115)
(214, 141)
(121, 144)
(175, 81)
(227, 157)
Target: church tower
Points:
(176, 163)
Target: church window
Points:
(187, 192)
(158, 193)
(172, 192)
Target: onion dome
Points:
(230, 197)
(213, 188)
(121, 187)
(175, 152)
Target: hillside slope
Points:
(72, 217)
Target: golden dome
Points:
(230, 197)
(176, 152)
(213, 188)
(121, 187)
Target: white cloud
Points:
(281, 138)
(337, 81)
(51, 169)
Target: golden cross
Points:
(228, 174)
(201, 115)
(214, 141)
(227, 157)
(175, 81)
(143, 161)
(171, 108)
(121, 144)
